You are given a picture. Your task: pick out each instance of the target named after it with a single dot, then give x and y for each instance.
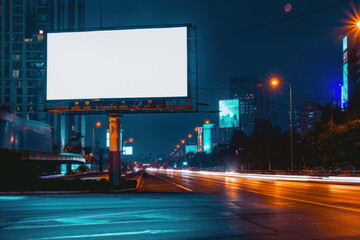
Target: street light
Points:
(98, 124)
(275, 82)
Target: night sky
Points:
(305, 50)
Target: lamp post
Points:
(130, 140)
(274, 82)
(98, 124)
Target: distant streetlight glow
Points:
(177, 146)
(274, 82)
(98, 124)
(358, 24)
(207, 122)
(182, 141)
(189, 135)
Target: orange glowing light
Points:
(352, 24)
(195, 129)
(274, 82)
(189, 135)
(207, 122)
(182, 141)
(177, 146)
(131, 140)
(98, 124)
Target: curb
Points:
(139, 178)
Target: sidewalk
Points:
(137, 177)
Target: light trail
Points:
(300, 178)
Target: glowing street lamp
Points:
(98, 124)
(275, 82)
(182, 141)
(189, 135)
(207, 122)
(177, 146)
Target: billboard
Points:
(345, 85)
(229, 113)
(127, 63)
(128, 150)
(209, 137)
(200, 136)
(191, 148)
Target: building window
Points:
(19, 83)
(7, 91)
(16, 74)
(16, 57)
(16, 65)
(18, 19)
(19, 108)
(19, 91)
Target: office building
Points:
(310, 114)
(23, 54)
(252, 102)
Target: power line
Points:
(280, 20)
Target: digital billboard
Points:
(126, 63)
(209, 137)
(128, 150)
(200, 136)
(229, 113)
(191, 148)
(345, 85)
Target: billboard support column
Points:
(114, 149)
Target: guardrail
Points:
(50, 156)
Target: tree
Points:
(74, 144)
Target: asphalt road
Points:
(181, 205)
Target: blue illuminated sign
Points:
(191, 148)
(209, 135)
(345, 87)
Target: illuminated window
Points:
(16, 74)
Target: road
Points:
(185, 205)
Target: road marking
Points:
(283, 197)
(178, 185)
(115, 223)
(112, 234)
(91, 216)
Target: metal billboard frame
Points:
(136, 105)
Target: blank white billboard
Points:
(135, 63)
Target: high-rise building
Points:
(23, 55)
(252, 104)
(310, 114)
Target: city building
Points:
(310, 114)
(252, 102)
(23, 55)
